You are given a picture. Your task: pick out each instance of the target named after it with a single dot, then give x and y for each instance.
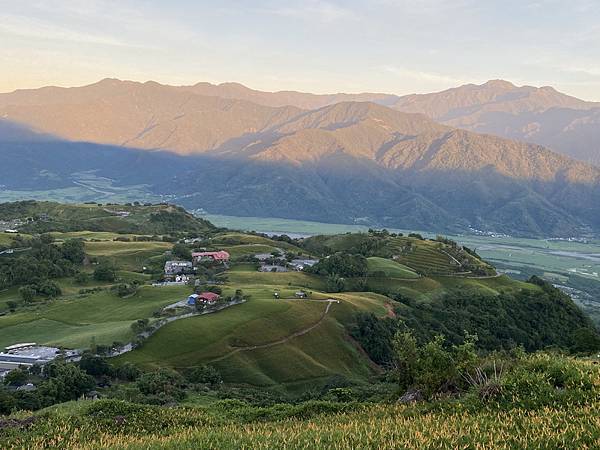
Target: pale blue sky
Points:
(395, 46)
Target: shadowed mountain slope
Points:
(356, 162)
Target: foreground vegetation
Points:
(541, 401)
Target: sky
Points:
(391, 46)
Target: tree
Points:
(406, 357)
(205, 375)
(334, 283)
(64, 382)
(17, 377)
(163, 385)
(81, 278)
(95, 365)
(128, 372)
(27, 293)
(182, 251)
(73, 250)
(7, 401)
(105, 272)
(139, 326)
(49, 289)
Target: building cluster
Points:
(30, 354)
(181, 272)
(279, 263)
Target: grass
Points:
(314, 356)
(227, 425)
(6, 239)
(242, 238)
(90, 235)
(72, 322)
(130, 256)
(296, 279)
(389, 268)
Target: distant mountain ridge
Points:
(349, 161)
(541, 116)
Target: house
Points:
(207, 298)
(301, 264)
(300, 294)
(191, 301)
(178, 267)
(262, 257)
(272, 268)
(220, 256)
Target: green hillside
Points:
(389, 269)
(427, 257)
(41, 217)
(286, 343)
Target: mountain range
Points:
(417, 161)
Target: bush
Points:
(27, 293)
(128, 372)
(105, 272)
(81, 278)
(161, 386)
(205, 375)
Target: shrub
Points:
(105, 272)
(205, 375)
(162, 386)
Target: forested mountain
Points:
(350, 161)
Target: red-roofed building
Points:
(208, 297)
(220, 256)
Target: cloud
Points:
(312, 10)
(427, 7)
(419, 75)
(34, 28)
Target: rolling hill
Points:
(278, 342)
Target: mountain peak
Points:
(499, 84)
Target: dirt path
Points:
(164, 321)
(283, 340)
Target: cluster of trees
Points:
(60, 382)
(338, 267)
(342, 264)
(44, 261)
(533, 319)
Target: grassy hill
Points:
(389, 269)
(41, 217)
(73, 321)
(283, 343)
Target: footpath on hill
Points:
(287, 338)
